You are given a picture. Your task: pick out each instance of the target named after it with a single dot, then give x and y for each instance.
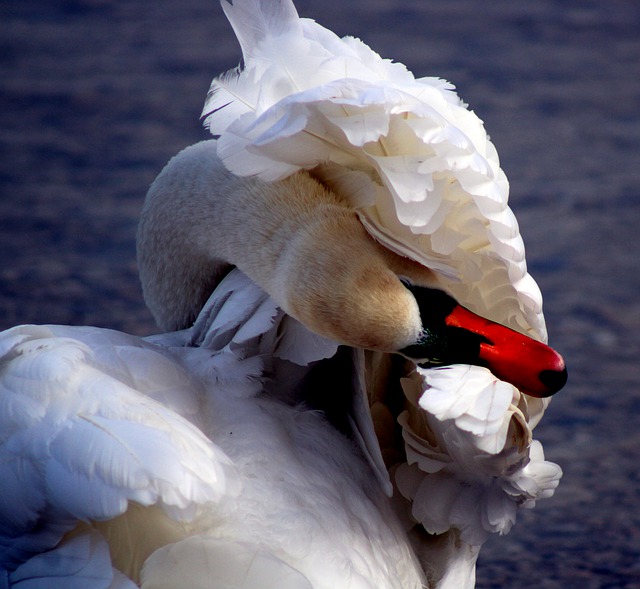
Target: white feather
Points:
(471, 460)
(77, 563)
(84, 442)
(306, 99)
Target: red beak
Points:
(531, 366)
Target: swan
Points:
(353, 358)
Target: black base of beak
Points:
(454, 335)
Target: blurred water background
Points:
(96, 96)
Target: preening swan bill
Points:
(353, 356)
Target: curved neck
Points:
(177, 270)
(294, 238)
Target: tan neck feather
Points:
(294, 238)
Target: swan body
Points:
(137, 403)
(190, 452)
(289, 428)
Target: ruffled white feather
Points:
(415, 162)
(425, 179)
(471, 460)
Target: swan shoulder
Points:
(242, 320)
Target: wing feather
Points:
(78, 441)
(77, 563)
(416, 163)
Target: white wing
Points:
(91, 419)
(425, 179)
(93, 422)
(416, 164)
(428, 180)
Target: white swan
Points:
(250, 449)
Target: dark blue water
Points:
(96, 95)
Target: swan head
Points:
(307, 249)
(454, 335)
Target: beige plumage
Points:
(296, 239)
